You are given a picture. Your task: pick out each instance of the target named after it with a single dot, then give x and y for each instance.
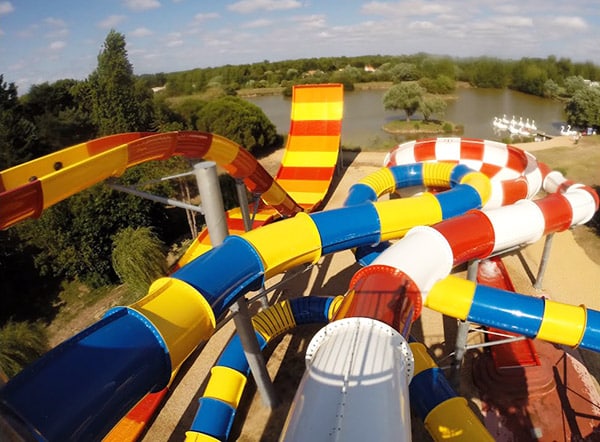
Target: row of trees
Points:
(549, 77)
(537, 76)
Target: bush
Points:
(138, 259)
(21, 343)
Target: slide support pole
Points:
(462, 333)
(240, 188)
(544, 262)
(214, 213)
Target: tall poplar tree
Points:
(117, 105)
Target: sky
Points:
(47, 40)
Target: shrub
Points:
(138, 259)
(21, 343)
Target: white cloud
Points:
(260, 23)
(141, 32)
(58, 28)
(55, 22)
(404, 8)
(515, 21)
(174, 43)
(6, 8)
(310, 21)
(421, 25)
(57, 45)
(111, 21)
(248, 6)
(570, 22)
(204, 16)
(141, 5)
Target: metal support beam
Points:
(544, 262)
(462, 333)
(156, 198)
(216, 222)
(240, 187)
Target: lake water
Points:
(475, 109)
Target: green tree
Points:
(573, 84)
(240, 121)
(529, 77)
(117, 105)
(138, 258)
(404, 96)
(20, 344)
(439, 85)
(59, 119)
(404, 72)
(432, 105)
(18, 135)
(551, 89)
(583, 109)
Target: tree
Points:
(18, 135)
(59, 120)
(439, 85)
(573, 84)
(529, 77)
(138, 258)
(117, 105)
(432, 104)
(404, 72)
(583, 109)
(404, 96)
(551, 89)
(240, 121)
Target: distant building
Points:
(369, 68)
(158, 88)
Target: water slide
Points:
(308, 163)
(108, 374)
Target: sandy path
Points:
(571, 277)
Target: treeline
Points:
(547, 77)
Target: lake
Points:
(475, 109)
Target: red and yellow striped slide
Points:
(308, 163)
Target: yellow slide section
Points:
(313, 143)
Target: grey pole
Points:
(462, 333)
(544, 262)
(214, 213)
(240, 187)
(156, 198)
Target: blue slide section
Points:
(113, 388)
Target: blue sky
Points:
(46, 40)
